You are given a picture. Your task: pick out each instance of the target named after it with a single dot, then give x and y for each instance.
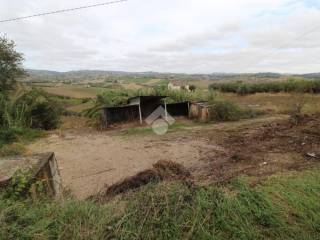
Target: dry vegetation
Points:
(73, 91)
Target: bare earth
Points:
(90, 160)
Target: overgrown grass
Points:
(24, 135)
(13, 149)
(223, 111)
(281, 103)
(24, 118)
(283, 207)
(13, 140)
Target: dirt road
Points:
(215, 152)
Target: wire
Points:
(62, 11)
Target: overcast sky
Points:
(192, 36)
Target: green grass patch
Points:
(68, 101)
(13, 140)
(282, 207)
(16, 134)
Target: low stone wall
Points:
(44, 168)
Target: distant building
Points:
(178, 85)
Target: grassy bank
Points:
(282, 207)
(14, 140)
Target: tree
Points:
(192, 88)
(10, 64)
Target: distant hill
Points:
(97, 76)
(42, 72)
(310, 75)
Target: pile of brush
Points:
(161, 171)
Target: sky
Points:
(181, 36)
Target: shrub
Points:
(243, 89)
(225, 111)
(34, 109)
(296, 112)
(192, 88)
(45, 116)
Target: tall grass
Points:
(291, 85)
(28, 110)
(283, 207)
(33, 110)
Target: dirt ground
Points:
(89, 160)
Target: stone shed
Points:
(43, 167)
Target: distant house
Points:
(178, 85)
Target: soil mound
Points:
(161, 171)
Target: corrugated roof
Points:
(147, 97)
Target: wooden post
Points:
(165, 109)
(140, 114)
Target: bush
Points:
(45, 116)
(192, 88)
(296, 112)
(225, 111)
(34, 109)
(244, 89)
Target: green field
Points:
(73, 91)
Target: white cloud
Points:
(168, 35)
